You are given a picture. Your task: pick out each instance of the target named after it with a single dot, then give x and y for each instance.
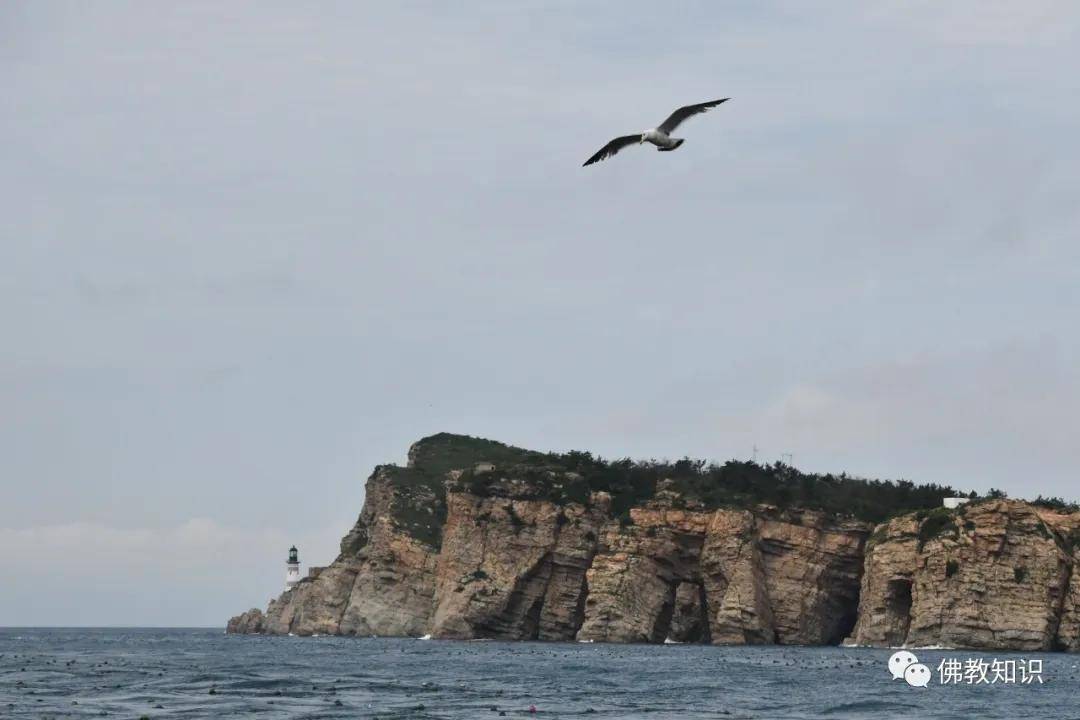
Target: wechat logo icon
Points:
(903, 665)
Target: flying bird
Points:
(659, 136)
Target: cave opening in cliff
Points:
(848, 617)
(897, 610)
(661, 629)
(689, 621)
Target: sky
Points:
(250, 250)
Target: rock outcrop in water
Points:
(995, 575)
(474, 539)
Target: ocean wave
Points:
(864, 706)
(203, 674)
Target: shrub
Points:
(937, 522)
(1056, 503)
(478, 484)
(879, 534)
(515, 519)
(572, 478)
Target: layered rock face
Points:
(514, 568)
(382, 582)
(724, 576)
(994, 575)
(478, 540)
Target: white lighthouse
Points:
(292, 569)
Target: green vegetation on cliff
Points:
(441, 453)
(573, 476)
(746, 484)
(419, 502)
(937, 522)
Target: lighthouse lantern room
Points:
(292, 569)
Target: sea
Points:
(203, 673)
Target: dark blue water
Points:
(77, 673)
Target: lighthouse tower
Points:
(292, 569)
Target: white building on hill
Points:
(292, 569)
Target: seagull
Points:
(659, 136)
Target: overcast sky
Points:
(248, 251)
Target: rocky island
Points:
(477, 539)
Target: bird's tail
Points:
(678, 142)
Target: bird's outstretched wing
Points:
(676, 118)
(612, 147)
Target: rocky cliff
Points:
(475, 539)
(997, 574)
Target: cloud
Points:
(251, 253)
(808, 414)
(983, 22)
(86, 573)
(943, 406)
(186, 546)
